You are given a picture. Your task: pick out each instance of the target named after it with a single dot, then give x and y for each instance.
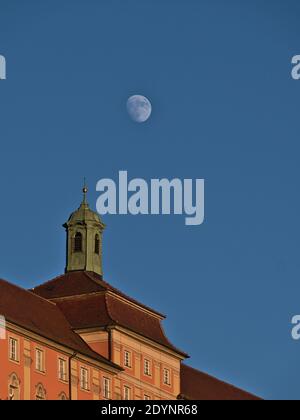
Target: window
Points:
(167, 377)
(127, 359)
(127, 393)
(13, 350)
(106, 388)
(39, 360)
(13, 387)
(62, 369)
(147, 367)
(78, 242)
(97, 245)
(84, 379)
(147, 397)
(62, 396)
(40, 392)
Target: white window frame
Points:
(62, 369)
(39, 360)
(106, 388)
(167, 376)
(127, 359)
(147, 367)
(13, 349)
(84, 380)
(127, 393)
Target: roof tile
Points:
(199, 386)
(42, 317)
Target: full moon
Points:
(139, 108)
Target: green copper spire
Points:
(84, 238)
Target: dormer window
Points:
(97, 245)
(78, 242)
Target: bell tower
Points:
(84, 239)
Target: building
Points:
(77, 337)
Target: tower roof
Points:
(84, 214)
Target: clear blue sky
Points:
(224, 108)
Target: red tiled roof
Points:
(42, 317)
(86, 311)
(81, 283)
(83, 298)
(199, 386)
(102, 310)
(89, 302)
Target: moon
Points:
(139, 108)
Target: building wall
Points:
(8, 368)
(98, 341)
(29, 382)
(134, 377)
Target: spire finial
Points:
(84, 190)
